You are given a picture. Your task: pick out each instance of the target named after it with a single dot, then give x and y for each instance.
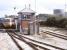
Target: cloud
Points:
(42, 6)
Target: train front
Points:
(9, 23)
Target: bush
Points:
(55, 22)
(51, 21)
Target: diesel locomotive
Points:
(9, 23)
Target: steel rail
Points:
(40, 42)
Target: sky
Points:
(42, 6)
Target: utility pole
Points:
(35, 19)
(65, 7)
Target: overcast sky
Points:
(42, 6)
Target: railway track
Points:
(34, 48)
(16, 43)
(45, 44)
(55, 34)
(35, 44)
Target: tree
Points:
(51, 21)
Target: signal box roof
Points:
(26, 10)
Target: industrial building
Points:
(58, 12)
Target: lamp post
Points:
(15, 18)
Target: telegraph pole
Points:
(35, 19)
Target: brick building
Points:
(28, 23)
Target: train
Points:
(9, 23)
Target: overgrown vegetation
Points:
(55, 22)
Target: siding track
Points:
(31, 44)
